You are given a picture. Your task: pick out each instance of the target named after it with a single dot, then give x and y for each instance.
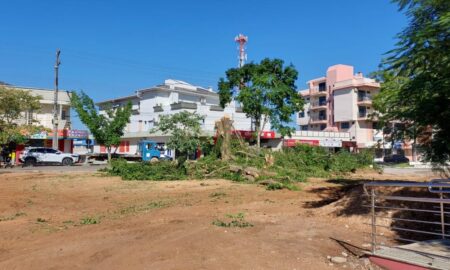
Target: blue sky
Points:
(111, 48)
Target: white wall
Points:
(345, 108)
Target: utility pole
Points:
(55, 103)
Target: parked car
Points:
(395, 159)
(42, 155)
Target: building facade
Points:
(341, 102)
(44, 117)
(169, 98)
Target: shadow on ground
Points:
(349, 199)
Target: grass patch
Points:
(133, 209)
(281, 185)
(90, 220)
(217, 194)
(12, 217)
(401, 165)
(233, 220)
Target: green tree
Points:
(107, 127)
(266, 91)
(416, 76)
(13, 104)
(184, 130)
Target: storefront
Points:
(45, 139)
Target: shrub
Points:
(365, 157)
(344, 161)
(206, 167)
(162, 170)
(302, 161)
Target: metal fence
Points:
(408, 212)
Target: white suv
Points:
(41, 155)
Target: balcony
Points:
(364, 100)
(318, 105)
(216, 108)
(183, 105)
(366, 115)
(321, 119)
(158, 108)
(315, 92)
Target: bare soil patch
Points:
(88, 221)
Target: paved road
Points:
(75, 168)
(407, 171)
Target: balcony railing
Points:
(158, 108)
(317, 104)
(409, 222)
(364, 99)
(319, 118)
(315, 91)
(183, 105)
(216, 108)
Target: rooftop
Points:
(169, 85)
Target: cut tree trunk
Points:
(109, 154)
(224, 126)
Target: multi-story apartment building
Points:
(44, 117)
(341, 102)
(169, 98)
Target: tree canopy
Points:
(266, 91)
(14, 103)
(416, 76)
(184, 130)
(107, 127)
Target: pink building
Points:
(341, 102)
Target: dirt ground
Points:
(89, 221)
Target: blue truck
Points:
(148, 150)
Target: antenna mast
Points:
(241, 40)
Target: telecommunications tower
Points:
(241, 40)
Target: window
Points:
(322, 115)
(376, 125)
(63, 115)
(304, 127)
(362, 111)
(50, 151)
(30, 117)
(322, 86)
(322, 101)
(301, 114)
(345, 125)
(323, 126)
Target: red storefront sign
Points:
(293, 142)
(249, 134)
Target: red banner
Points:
(293, 142)
(249, 134)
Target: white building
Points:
(169, 98)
